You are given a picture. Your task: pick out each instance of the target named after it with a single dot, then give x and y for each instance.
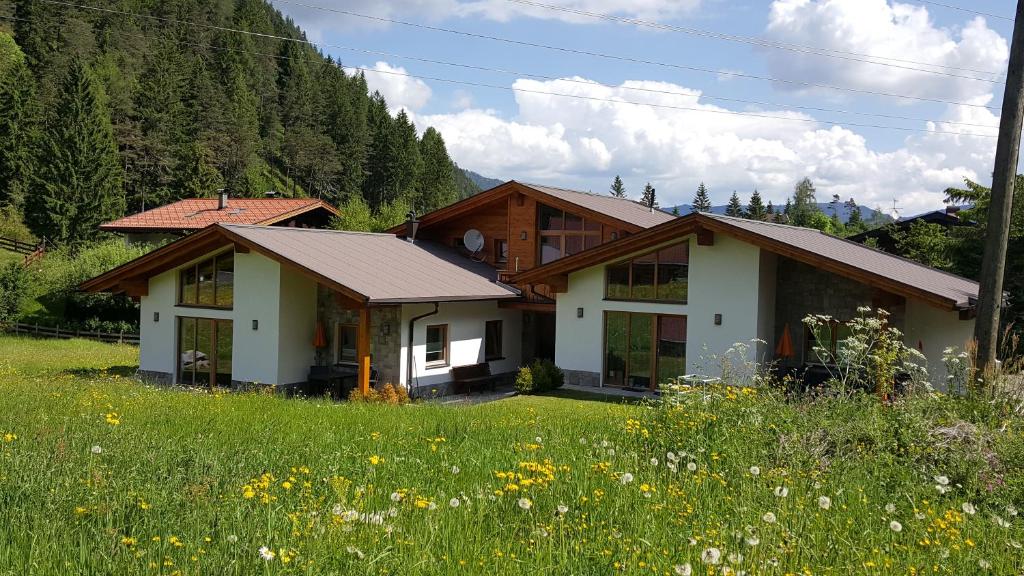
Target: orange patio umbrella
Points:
(785, 347)
(320, 337)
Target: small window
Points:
(208, 283)
(437, 345)
(492, 340)
(500, 251)
(345, 342)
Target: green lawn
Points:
(8, 256)
(102, 475)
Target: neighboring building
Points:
(186, 216)
(615, 293)
(882, 237)
(669, 300)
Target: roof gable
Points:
(842, 257)
(627, 214)
(198, 213)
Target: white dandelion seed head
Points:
(671, 456)
(525, 503)
(392, 512)
(562, 509)
(941, 488)
(539, 440)
(890, 508)
(454, 502)
(396, 497)
(769, 517)
(824, 502)
(781, 491)
(691, 466)
(672, 467)
(968, 508)
(755, 470)
(683, 570)
(432, 506)
(626, 478)
(96, 449)
(752, 540)
(266, 553)
(984, 564)
(942, 480)
(654, 461)
(711, 556)
(895, 526)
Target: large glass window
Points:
(210, 282)
(564, 234)
(204, 352)
(437, 345)
(492, 340)
(643, 350)
(660, 276)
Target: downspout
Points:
(409, 358)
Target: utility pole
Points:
(993, 263)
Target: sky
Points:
(740, 95)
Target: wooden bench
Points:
(465, 378)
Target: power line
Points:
(524, 90)
(626, 58)
(765, 43)
(968, 10)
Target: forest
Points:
(133, 104)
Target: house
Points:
(667, 300)
(234, 304)
(183, 217)
(615, 293)
(882, 237)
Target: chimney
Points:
(222, 199)
(270, 194)
(411, 226)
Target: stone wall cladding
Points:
(582, 378)
(385, 349)
(802, 289)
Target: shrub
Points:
(14, 289)
(12, 226)
(524, 381)
(388, 394)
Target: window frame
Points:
(498, 354)
(339, 328)
(589, 229)
(500, 246)
(656, 286)
(445, 347)
(194, 267)
(655, 336)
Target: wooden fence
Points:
(51, 332)
(18, 246)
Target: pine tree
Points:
(855, 221)
(675, 210)
(804, 207)
(618, 189)
(17, 123)
(769, 212)
(409, 159)
(437, 178)
(756, 209)
(197, 177)
(734, 208)
(648, 198)
(78, 183)
(702, 202)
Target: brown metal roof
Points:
(618, 208)
(842, 257)
(381, 267)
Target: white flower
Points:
(671, 456)
(232, 539)
(432, 506)
(1000, 522)
(942, 489)
(691, 466)
(626, 478)
(1011, 510)
(538, 440)
(781, 491)
(968, 508)
(890, 508)
(96, 449)
(984, 564)
(711, 556)
(672, 467)
(942, 480)
(824, 502)
(455, 469)
(769, 517)
(654, 461)
(396, 497)
(562, 509)
(266, 553)
(525, 503)
(755, 470)
(454, 502)
(683, 570)
(752, 540)
(895, 526)
(920, 515)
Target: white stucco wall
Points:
(935, 330)
(297, 324)
(723, 279)
(465, 322)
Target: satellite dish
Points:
(474, 240)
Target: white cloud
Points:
(584, 143)
(316, 21)
(400, 91)
(875, 27)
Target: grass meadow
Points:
(102, 475)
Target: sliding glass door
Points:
(643, 350)
(204, 352)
